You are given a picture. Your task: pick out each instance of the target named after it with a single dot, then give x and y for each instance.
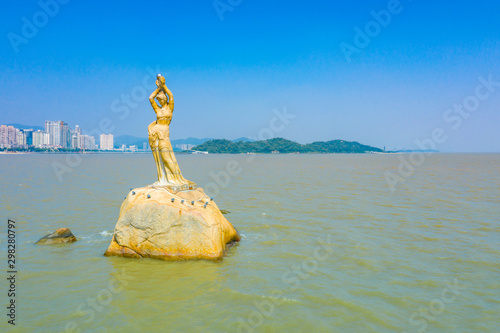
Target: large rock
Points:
(156, 222)
(61, 235)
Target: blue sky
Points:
(229, 75)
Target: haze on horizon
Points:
(230, 75)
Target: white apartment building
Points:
(41, 139)
(12, 135)
(59, 133)
(87, 142)
(21, 138)
(106, 141)
(4, 135)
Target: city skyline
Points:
(57, 135)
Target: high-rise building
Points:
(65, 135)
(4, 134)
(58, 133)
(75, 138)
(41, 139)
(75, 142)
(92, 144)
(29, 136)
(54, 133)
(12, 135)
(37, 139)
(106, 141)
(21, 138)
(81, 142)
(87, 142)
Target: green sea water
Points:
(326, 246)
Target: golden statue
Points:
(169, 174)
(171, 219)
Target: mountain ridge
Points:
(138, 141)
(281, 145)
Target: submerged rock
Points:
(61, 235)
(158, 223)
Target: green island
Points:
(284, 146)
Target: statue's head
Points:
(161, 79)
(162, 98)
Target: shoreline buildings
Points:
(57, 135)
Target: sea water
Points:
(327, 245)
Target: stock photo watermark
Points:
(223, 6)
(454, 117)
(372, 29)
(293, 278)
(121, 107)
(436, 307)
(222, 179)
(31, 27)
(11, 272)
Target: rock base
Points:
(159, 223)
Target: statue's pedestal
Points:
(157, 222)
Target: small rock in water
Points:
(223, 211)
(61, 235)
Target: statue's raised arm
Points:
(152, 99)
(163, 86)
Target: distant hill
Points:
(196, 141)
(129, 140)
(280, 145)
(134, 140)
(137, 141)
(243, 140)
(21, 126)
(190, 141)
